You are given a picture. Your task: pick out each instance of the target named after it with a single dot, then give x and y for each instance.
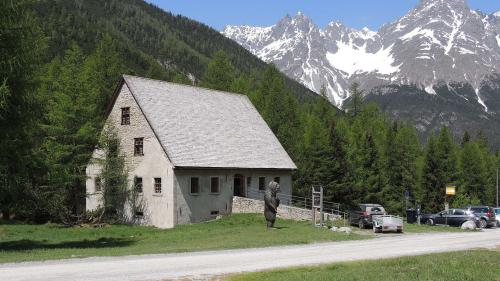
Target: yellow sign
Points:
(450, 190)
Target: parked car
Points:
(452, 217)
(386, 223)
(497, 216)
(362, 216)
(486, 215)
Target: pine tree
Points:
(71, 130)
(473, 172)
(279, 109)
(102, 72)
(21, 50)
(220, 73)
(465, 139)
(401, 150)
(338, 187)
(356, 103)
(434, 178)
(373, 178)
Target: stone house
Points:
(189, 150)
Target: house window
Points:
(98, 186)
(139, 214)
(214, 213)
(262, 183)
(277, 179)
(214, 185)
(125, 115)
(195, 186)
(157, 185)
(138, 184)
(139, 146)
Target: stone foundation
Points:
(243, 205)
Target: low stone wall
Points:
(247, 205)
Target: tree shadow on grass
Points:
(27, 245)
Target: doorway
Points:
(239, 186)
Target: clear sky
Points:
(354, 13)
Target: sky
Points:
(354, 13)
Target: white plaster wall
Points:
(285, 184)
(192, 208)
(158, 208)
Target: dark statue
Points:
(271, 203)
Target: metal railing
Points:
(302, 202)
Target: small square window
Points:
(138, 184)
(126, 116)
(195, 186)
(139, 146)
(214, 185)
(214, 213)
(157, 185)
(139, 214)
(262, 183)
(277, 179)
(98, 184)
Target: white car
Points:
(497, 216)
(386, 223)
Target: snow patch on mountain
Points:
(480, 100)
(351, 59)
(422, 32)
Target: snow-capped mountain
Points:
(439, 41)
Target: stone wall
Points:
(247, 205)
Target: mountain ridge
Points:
(444, 31)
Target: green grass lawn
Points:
(415, 228)
(22, 242)
(467, 265)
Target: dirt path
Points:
(203, 265)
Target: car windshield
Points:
(479, 210)
(497, 211)
(378, 209)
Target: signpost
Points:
(451, 190)
(317, 205)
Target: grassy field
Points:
(21, 242)
(463, 266)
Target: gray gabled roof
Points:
(202, 128)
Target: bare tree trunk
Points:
(6, 214)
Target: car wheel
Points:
(376, 230)
(399, 231)
(498, 223)
(361, 224)
(430, 222)
(483, 223)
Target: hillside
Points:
(147, 37)
(435, 66)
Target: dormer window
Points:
(125, 115)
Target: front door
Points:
(239, 186)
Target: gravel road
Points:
(203, 265)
